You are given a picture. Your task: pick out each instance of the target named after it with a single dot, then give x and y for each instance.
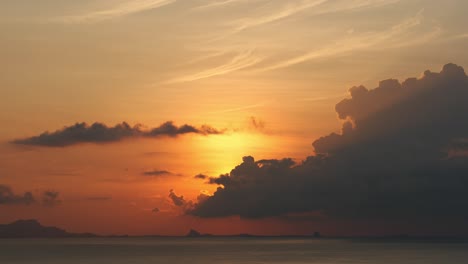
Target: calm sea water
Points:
(227, 250)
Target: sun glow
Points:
(224, 152)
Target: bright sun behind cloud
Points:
(226, 151)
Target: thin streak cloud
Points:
(237, 109)
(239, 62)
(318, 7)
(219, 4)
(322, 98)
(351, 5)
(120, 10)
(366, 41)
(286, 11)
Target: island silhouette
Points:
(31, 228)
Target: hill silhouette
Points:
(31, 228)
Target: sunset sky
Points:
(204, 86)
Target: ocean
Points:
(229, 251)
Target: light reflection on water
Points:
(228, 251)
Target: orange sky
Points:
(266, 73)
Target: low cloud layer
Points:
(9, 197)
(100, 133)
(393, 160)
(50, 198)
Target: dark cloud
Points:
(100, 133)
(169, 129)
(223, 179)
(155, 210)
(257, 123)
(391, 160)
(82, 133)
(177, 200)
(201, 176)
(8, 197)
(50, 198)
(157, 173)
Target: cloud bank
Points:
(393, 160)
(9, 197)
(100, 133)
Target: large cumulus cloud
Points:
(397, 157)
(100, 133)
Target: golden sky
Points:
(265, 74)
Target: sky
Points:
(235, 116)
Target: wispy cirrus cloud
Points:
(240, 108)
(393, 37)
(309, 7)
(118, 10)
(220, 3)
(241, 61)
(291, 8)
(351, 5)
(267, 13)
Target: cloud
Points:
(257, 124)
(293, 8)
(157, 173)
(218, 4)
(50, 198)
(201, 176)
(287, 10)
(261, 14)
(240, 61)
(100, 133)
(122, 9)
(223, 179)
(242, 108)
(155, 210)
(169, 129)
(8, 197)
(82, 133)
(396, 36)
(178, 201)
(350, 5)
(390, 162)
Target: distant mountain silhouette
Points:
(33, 229)
(195, 233)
